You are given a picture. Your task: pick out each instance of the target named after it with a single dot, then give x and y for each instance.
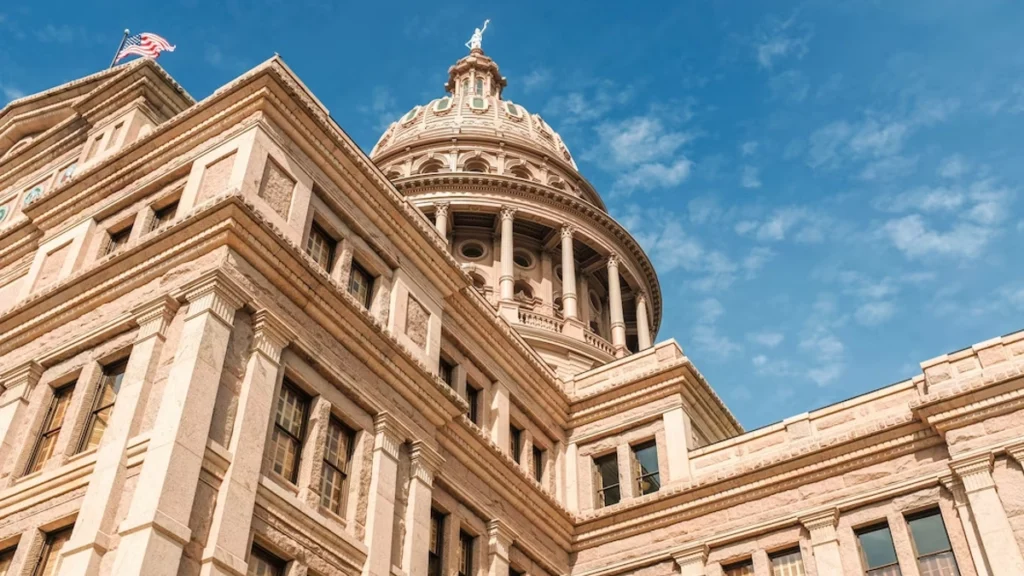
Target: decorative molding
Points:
(154, 317)
(975, 471)
(17, 384)
(270, 335)
(425, 462)
(390, 434)
(613, 261)
(952, 483)
(1016, 451)
(215, 293)
(508, 212)
(691, 555)
(441, 208)
(500, 537)
(821, 525)
(567, 231)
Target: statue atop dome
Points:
(477, 38)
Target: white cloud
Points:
(653, 175)
(889, 168)
(804, 225)
(642, 153)
(756, 260)
(535, 80)
(953, 167)
(778, 39)
(791, 85)
(59, 34)
(768, 339)
(825, 144)
(705, 335)
(912, 236)
(748, 148)
(825, 351)
(750, 177)
(874, 313)
(11, 93)
(382, 109)
(875, 139)
(593, 102)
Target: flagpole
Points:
(119, 47)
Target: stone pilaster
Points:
(643, 324)
(156, 527)
(691, 559)
(824, 542)
(499, 543)
(424, 464)
(963, 511)
(678, 440)
(18, 384)
(228, 542)
(618, 324)
(95, 522)
(380, 514)
(500, 410)
(572, 486)
(994, 530)
(506, 282)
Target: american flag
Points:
(147, 45)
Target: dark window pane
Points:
(466, 554)
(608, 468)
(263, 563)
(538, 464)
(876, 543)
(745, 568)
(929, 533)
(473, 398)
(515, 443)
(612, 495)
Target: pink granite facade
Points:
(232, 343)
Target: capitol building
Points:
(232, 343)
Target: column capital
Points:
(425, 462)
(613, 260)
(154, 317)
(441, 207)
(507, 212)
(974, 471)
(215, 293)
(694, 554)
(390, 433)
(1016, 451)
(568, 230)
(821, 525)
(956, 488)
(270, 334)
(641, 297)
(500, 538)
(20, 381)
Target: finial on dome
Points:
(477, 39)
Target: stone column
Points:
(643, 325)
(570, 307)
(90, 539)
(156, 527)
(963, 511)
(499, 542)
(507, 306)
(18, 384)
(227, 545)
(615, 307)
(500, 411)
(424, 463)
(441, 218)
(380, 513)
(993, 527)
(678, 440)
(822, 526)
(691, 559)
(572, 485)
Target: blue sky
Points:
(829, 190)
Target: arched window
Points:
(443, 104)
(521, 171)
(478, 281)
(480, 86)
(465, 86)
(477, 165)
(431, 167)
(394, 175)
(410, 114)
(522, 291)
(512, 109)
(557, 183)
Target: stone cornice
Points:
(821, 525)
(974, 471)
(271, 335)
(690, 555)
(154, 317)
(451, 186)
(390, 432)
(424, 462)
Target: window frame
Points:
(350, 434)
(638, 475)
(164, 215)
(745, 564)
(330, 244)
(108, 371)
(539, 454)
(795, 549)
(600, 489)
(515, 443)
(46, 429)
(116, 241)
(276, 562)
(287, 384)
(446, 371)
(435, 545)
(876, 526)
(473, 399)
(467, 547)
(371, 280)
(47, 549)
(927, 513)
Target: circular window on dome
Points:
(410, 114)
(472, 250)
(443, 104)
(595, 302)
(512, 109)
(478, 104)
(34, 193)
(522, 259)
(3, 213)
(477, 165)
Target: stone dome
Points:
(474, 107)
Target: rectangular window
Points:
(466, 545)
(113, 135)
(645, 468)
(263, 563)
(6, 557)
(515, 443)
(289, 431)
(877, 551)
(744, 568)
(538, 464)
(163, 216)
(436, 549)
(787, 563)
(49, 559)
(360, 285)
(103, 405)
(47, 440)
(320, 246)
(473, 398)
(118, 240)
(94, 147)
(446, 372)
(337, 456)
(606, 480)
(931, 544)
